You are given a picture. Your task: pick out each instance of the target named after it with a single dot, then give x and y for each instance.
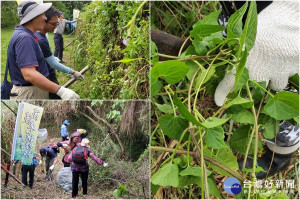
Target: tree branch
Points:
(194, 154)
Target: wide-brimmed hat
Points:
(28, 10)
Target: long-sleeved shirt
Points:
(75, 167)
(63, 131)
(61, 26)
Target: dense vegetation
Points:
(195, 144)
(112, 38)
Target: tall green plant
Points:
(180, 92)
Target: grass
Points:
(6, 34)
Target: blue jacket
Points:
(63, 130)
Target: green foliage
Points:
(9, 16)
(182, 89)
(118, 62)
(173, 126)
(121, 191)
(284, 106)
(168, 175)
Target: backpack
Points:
(34, 160)
(79, 155)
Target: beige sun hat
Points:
(85, 143)
(28, 10)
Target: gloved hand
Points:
(65, 145)
(105, 165)
(52, 167)
(275, 55)
(78, 76)
(81, 131)
(40, 162)
(67, 94)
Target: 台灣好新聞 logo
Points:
(232, 185)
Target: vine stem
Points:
(207, 70)
(185, 59)
(194, 154)
(181, 48)
(173, 106)
(256, 135)
(261, 88)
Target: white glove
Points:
(52, 167)
(105, 165)
(275, 55)
(67, 94)
(57, 59)
(65, 145)
(40, 162)
(78, 76)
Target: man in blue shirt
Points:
(27, 66)
(64, 130)
(52, 63)
(50, 152)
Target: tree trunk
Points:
(168, 44)
(111, 128)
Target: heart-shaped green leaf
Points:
(166, 176)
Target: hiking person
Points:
(29, 169)
(273, 59)
(58, 38)
(50, 152)
(69, 145)
(52, 63)
(64, 130)
(27, 67)
(79, 165)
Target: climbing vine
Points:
(193, 140)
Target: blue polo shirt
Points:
(44, 44)
(51, 153)
(24, 51)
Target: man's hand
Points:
(67, 94)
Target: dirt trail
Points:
(42, 189)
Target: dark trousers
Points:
(49, 163)
(25, 170)
(54, 80)
(66, 164)
(59, 46)
(64, 138)
(75, 181)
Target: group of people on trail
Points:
(30, 62)
(76, 153)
